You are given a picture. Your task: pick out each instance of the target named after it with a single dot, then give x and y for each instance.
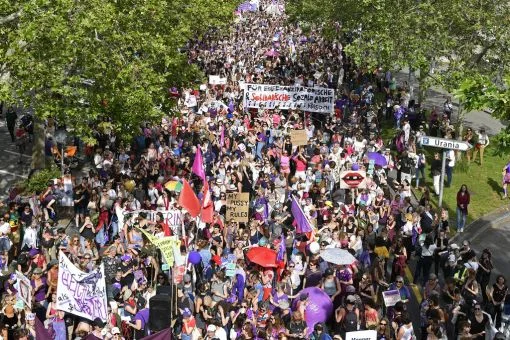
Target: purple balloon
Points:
(194, 257)
(319, 309)
(355, 167)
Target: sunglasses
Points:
(399, 281)
(382, 323)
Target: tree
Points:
(482, 93)
(81, 61)
(447, 41)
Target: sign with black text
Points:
(238, 206)
(312, 99)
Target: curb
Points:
(483, 224)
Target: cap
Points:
(126, 257)
(33, 252)
(115, 330)
(303, 296)
(186, 313)
(211, 328)
(30, 317)
(187, 278)
(37, 271)
(13, 276)
(127, 294)
(454, 246)
(350, 299)
(432, 276)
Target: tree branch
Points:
(8, 18)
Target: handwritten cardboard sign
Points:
(238, 206)
(298, 137)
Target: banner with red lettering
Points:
(313, 99)
(79, 293)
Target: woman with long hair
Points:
(463, 199)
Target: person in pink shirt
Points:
(285, 163)
(301, 165)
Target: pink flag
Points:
(198, 164)
(222, 136)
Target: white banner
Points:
(79, 293)
(313, 99)
(24, 288)
(217, 80)
(361, 335)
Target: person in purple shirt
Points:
(141, 321)
(9, 285)
(39, 286)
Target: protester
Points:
(247, 214)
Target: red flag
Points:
(207, 205)
(188, 200)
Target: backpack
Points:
(350, 321)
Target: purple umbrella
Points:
(378, 158)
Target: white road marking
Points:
(11, 173)
(17, 154)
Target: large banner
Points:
(313, 99)
(79, 293)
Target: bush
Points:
(39, 181)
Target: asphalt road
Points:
(10, 171)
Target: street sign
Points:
(443, 143)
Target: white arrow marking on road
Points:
(17, 154)
(11, 173)
(444, 143)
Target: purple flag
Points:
(302, 223)
(40, 330)
(282, 252)
(198, 164)
(165, 334)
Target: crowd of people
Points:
(224, 292)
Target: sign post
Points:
(445, 144)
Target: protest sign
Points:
(361, 335)
(217, 80)
(179, 272)
(352, 179)
(313, 99)
(79, 293)
(24, 288)
(230, 269)
(298, 137)
(238, 205)
(167, 246)
(391, 297)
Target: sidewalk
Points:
(491, 231)
(436, 96)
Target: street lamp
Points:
(60, 138)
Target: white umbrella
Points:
(337, 256)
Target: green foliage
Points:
(81, 61)
(39, 181)
(458, 38)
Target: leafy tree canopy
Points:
(80, 60)
(458, 38)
